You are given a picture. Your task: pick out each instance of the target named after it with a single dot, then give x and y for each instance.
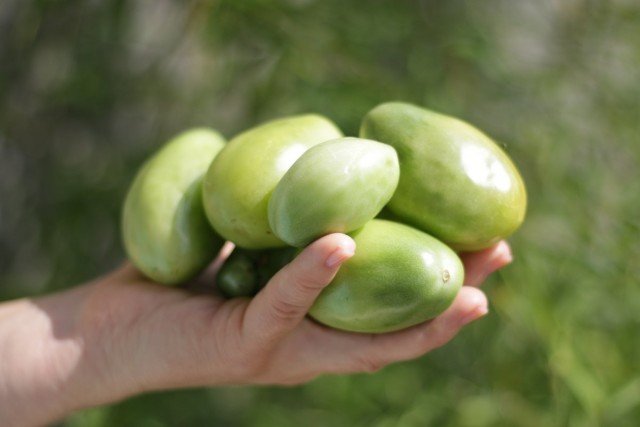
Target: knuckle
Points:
(303, 280)
(306, 283)
(284, 310)
(254, 367)
(243, 359)
(369, 364)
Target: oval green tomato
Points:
(238, 276)
(398, 277)
(240, 181)
(272, 261)
(246, 271)
(165, 232)
(334, 187)
(455, 182)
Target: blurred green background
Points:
(88, 89)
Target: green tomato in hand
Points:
(238, 276)
(245, 272)
(398, 277)
(334, 187)
(165, 232)
(455, 182)
(272, 261)
(239, 183)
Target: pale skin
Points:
(122, 334)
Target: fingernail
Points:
(475, 314)
(501, 257)
(507, 255)
(341, 254)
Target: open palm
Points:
(153, 337)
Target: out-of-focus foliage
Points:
(88, 89)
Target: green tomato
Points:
(165, 232)
(245, 272)
(238, 276)
(334, 187)
(239, 183)
(398, 277)
(272, 261)
(455, 182)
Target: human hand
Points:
(125, 335)
(164, 337)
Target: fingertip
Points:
(470, 304)
(475, 305)
(345, 248)
(504, 251)
(471, 296)
(280, 306)
(479, 265)
(330, 250)
(498, 258)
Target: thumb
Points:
(282, 304)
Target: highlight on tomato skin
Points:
(456, 183)
(164, 230)
(240, 180)
(398, 277)
(334, 187)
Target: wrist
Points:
(49, 365)
(39, 354)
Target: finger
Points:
(212, 269)
(205, 281)
(479, 265)
(469, 305)
(284, 301)
(346, 353)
